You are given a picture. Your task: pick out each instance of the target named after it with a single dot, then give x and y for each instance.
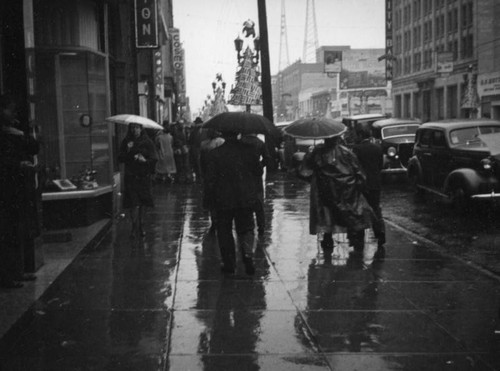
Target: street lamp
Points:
(219, 91)
(238, 45)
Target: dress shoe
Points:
(9, 284)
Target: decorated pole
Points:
(247, 89)
(267, 94)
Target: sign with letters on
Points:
(146, 24)
(389, 56)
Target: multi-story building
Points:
(358, 85)
(445, 52)
(291, 81)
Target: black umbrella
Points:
(241, 122)
(315, 128)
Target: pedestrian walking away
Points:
(231, 190)
(263, 154)
(337, 204)
(18, 217)
(138, 154)
(198, 135)
(213, 141)
(165, 166)
(370, 156)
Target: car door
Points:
(440, 159)
(423, 152)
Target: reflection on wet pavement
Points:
(161, 303)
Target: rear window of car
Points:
(399, 130)
(468, 136)
(308, 142)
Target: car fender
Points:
(414, 167)
(468, 179)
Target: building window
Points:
(467, 46)
(467, 15)
(407, 105)
(417, 60)
(397, 106)
(416, 9)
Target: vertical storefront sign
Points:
(146, 24)
(178, 57)
(389, 56)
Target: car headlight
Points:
(391, 152)
(486, 163)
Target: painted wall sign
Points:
(146, 24)
(488, 84)
(389, 56)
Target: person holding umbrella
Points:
(230, 186)
(337, 204)
(138, 154)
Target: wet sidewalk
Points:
(161, 303)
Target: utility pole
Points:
(267, 95)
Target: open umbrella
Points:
(126, 119)
(315, 128)
(241, 122)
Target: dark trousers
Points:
(244, 223)
(357, 239)
(260, 215)
(378, 225)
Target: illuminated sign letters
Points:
(146, 24)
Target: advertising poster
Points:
(333, 61)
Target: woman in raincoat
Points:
(337, 204)
(138, 153)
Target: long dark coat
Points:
(17, 185)
(137, 177)
(230, 177)
(336, 200)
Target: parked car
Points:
(294, 150)
(351, 122)
(397, 137)
(450, 159)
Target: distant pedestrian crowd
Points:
(229, 162)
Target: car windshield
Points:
(399, 130)
(469, 136)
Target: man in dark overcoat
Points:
(231, 190)
(18, 225)
(263, 154)
(370, 156)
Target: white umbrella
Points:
(126, 119)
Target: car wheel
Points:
(459, 199)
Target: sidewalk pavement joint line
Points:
(171, 310)
(308, 333)
(442, 251)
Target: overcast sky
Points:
(208, 28)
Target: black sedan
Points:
(397, 137)
(451, 158)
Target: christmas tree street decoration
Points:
(247, 90)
